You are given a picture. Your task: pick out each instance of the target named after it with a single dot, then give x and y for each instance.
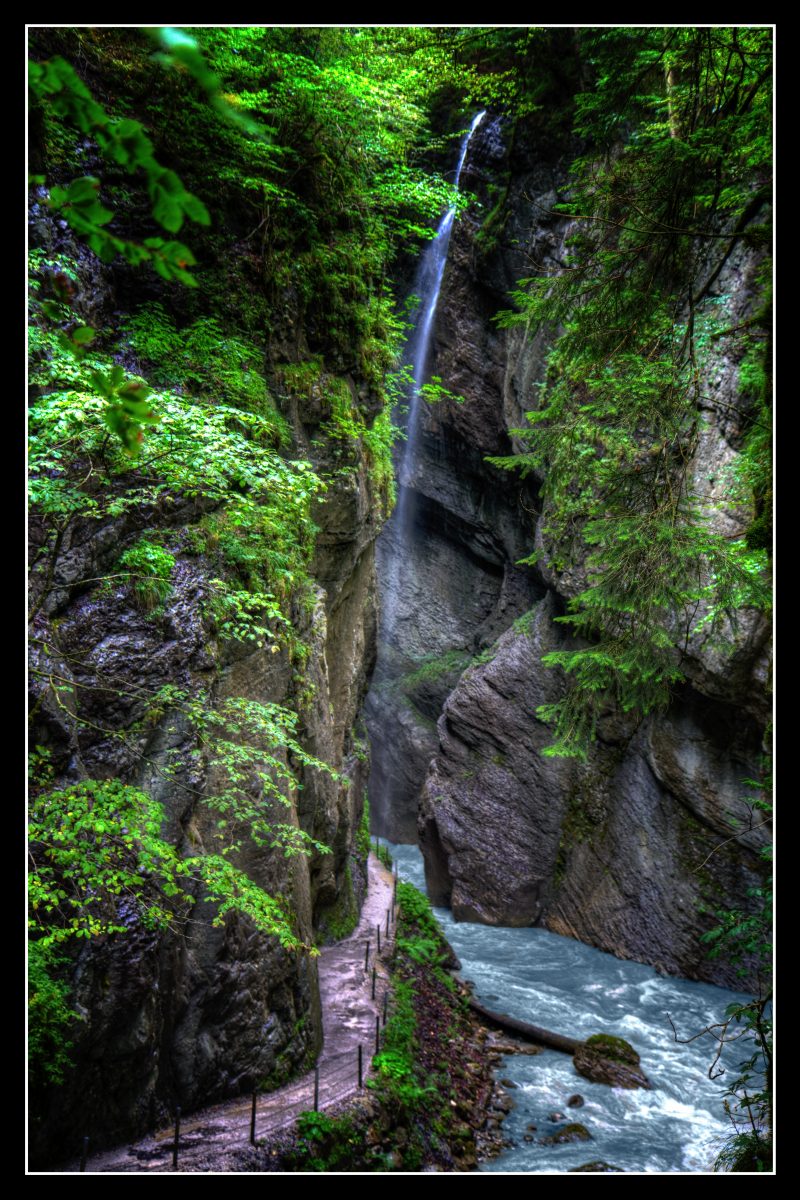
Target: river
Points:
(573, 989)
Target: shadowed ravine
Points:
(399, 470)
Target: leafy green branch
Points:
(124, 143)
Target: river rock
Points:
(570, 1133)
(575, 1101)
(597, 1166)
(611, 1060)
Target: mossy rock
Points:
(613, 1047)
(598, 1166)
(570, 1133)
(606, 1059)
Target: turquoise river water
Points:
(562, 985)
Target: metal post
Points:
(377, 1034)
(84, 1151)
(316, 1089)
(360, 1067)
(374, 973)
(253, 1122)
(385, 1005)
(177, 1137)
(378, 928)
(366, 958)
(387, 921)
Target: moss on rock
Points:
(607, 1059)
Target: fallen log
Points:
(531, 1033)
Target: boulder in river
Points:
(570, 1133)
(598, 1165)
(606, 1059)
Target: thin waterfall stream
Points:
(427, 286)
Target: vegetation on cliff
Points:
(673, 183)
(214, 346)
(170, 427)
(675, 175)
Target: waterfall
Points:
(427, 286)
(397, 542)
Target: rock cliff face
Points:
(626, 850)
(204, 1011)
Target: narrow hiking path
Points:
(210, 1136)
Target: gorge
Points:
(246, 616)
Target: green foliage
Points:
(744, 938)
(61, 355)
(747, 1152)
(432, 667)
(748, 1101)
(524, 624)
(98, 862)
(246, 745)
(382, 851)
(50, 1019)
(124, 143)
(241, 615)
(330, 1144)
(234, 892)
(419, 935)
(149, 569)
(216, 453)
(678, 121)
(341, 919)
(103, 864)
(362, 836)
(308, 153)
(404, 1082)
(396, 1062)
(205, 361)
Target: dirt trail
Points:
(209, 1136)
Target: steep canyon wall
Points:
(633, 850)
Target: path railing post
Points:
(366, 958)
(377, 1034)
(374, 973)
(387, 921)
(385, 1004)
(360, 1067)
(316, 1089)
(177, 1137)
(378, 929)
(253, 1121)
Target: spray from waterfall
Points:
(400, 551)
